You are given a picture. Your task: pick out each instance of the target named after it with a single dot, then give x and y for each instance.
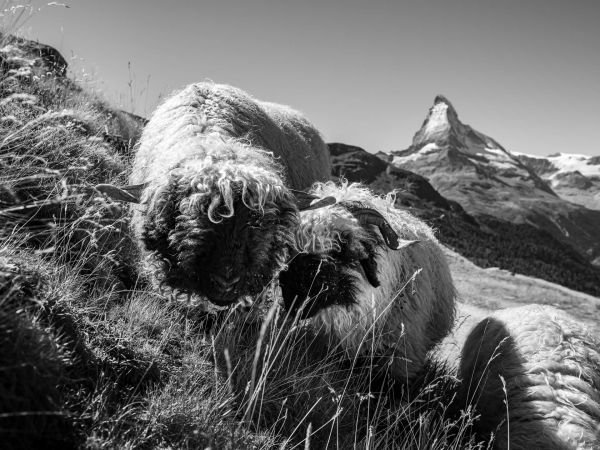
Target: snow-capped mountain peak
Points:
(443, 135)
(443, 128)
(487, 180)
(439, 123)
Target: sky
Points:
(525, 72)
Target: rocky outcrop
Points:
(44, 58)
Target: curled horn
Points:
(370, 216)
(306, 201)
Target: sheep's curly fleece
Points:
(202, 149)
(546, 366)
(411, 310)
(539, 360)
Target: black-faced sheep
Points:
(217, 174)
(372, 276)
(533, 375)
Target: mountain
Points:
(485, 240)
(357, 165)
(469, 167)
(575, 178)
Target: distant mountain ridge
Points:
(469, 167)
(575, 178)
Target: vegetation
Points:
(93, 356)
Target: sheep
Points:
(372, 277)
(532, 373)
(218, 177)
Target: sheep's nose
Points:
(225, 283)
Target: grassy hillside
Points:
(494, 288)
(92, 356)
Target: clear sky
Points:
(525, 72)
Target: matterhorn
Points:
(473, 169)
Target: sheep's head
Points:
(339, 248)
(222, 241)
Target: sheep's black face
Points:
(223, 261)
(316, 282)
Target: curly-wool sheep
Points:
(216, 172)
(533, 376)
(532, 373)
(372, 276)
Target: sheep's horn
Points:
(306, 201)
(131, 194)
(370, 216)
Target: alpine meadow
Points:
(214, 275)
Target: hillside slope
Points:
(494, 288)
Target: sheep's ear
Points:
(306, 201)
(369, 266)
(131, 194)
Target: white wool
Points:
(222, 135)
(535, 363)
(411, 310)
(203, 147)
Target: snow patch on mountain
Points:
(572, 163)
(443, 132)
(569, 162)
(438, 123)
(500, 159)
(427, 149)
(574, 177)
